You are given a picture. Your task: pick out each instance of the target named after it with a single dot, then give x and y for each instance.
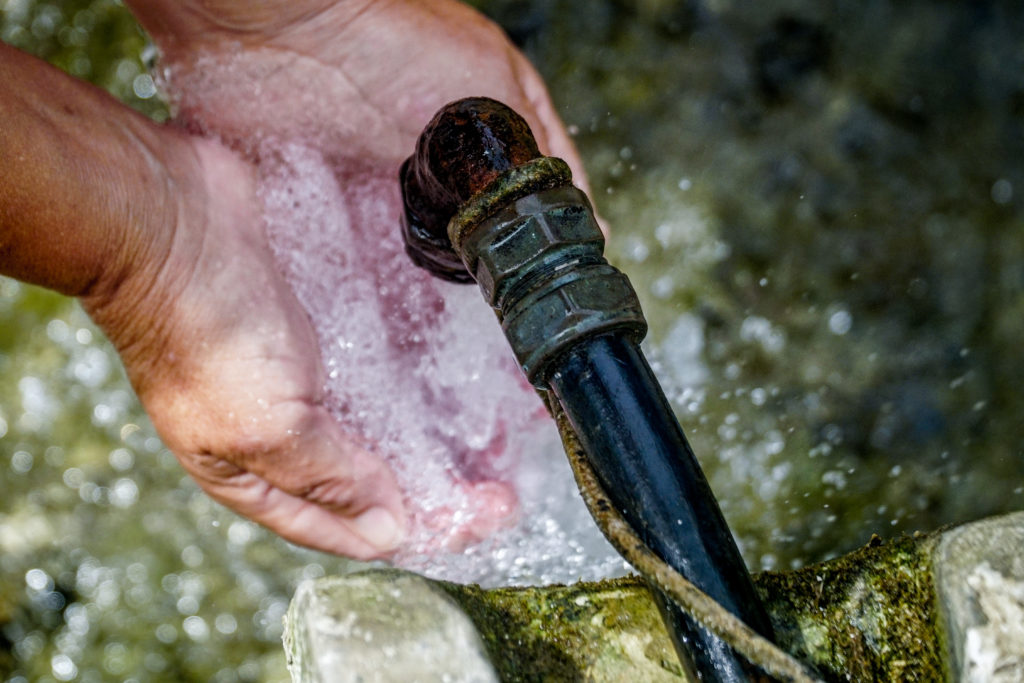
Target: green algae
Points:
(605, 631)
(867, 616)
(871, 615)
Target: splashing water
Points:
(416, 369)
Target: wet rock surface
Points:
(941, 606)
(380, 627)
(980, 571)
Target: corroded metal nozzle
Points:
(482, 204)
(466, 146)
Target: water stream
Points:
(822, 207)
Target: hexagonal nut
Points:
(541, 230)
(567, 309)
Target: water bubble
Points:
(43, 26)
(834, 478)
(121, 459)
(76, 619)
(166, 633)
(1002, 191)
(774, 443)
(80, 66)
(240, 533)
(92, 367)
(833, 433)
(21, 462)
(683, 350)
(115, 658)
(83, 336)
(143, 86)
(756, 328)
(124, 493)
(187, 605)
(192, 556)
(840, 322)
(58, 331)
(139, 595)
(103, 414)
(225, 624)
(107, 593)
(38, 580)
(663, 287)
(666, 234)
(685, 184)
(636, 249)
(36, 400)
(63, 667)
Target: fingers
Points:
(369, 535)
(310, 486)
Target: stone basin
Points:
(948, 605)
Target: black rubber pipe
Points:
(645, 465)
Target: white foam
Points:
(417, 369)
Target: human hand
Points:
(221, 353)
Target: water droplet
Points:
(166, 633)
(1002, 191)
(121, 459)
(38, 580)
(663, 287)
(225, 624)
(840, 322)
(64, 669)
(143, 86)
(21, 462)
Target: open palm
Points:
(221, 352)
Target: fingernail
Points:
(379, 528)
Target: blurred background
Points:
(821, 205)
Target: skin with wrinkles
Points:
(160, 230)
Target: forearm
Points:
(84, 181)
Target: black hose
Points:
(638, 451)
